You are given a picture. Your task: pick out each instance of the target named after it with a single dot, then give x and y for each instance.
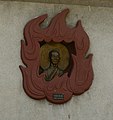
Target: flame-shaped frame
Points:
(81, 75)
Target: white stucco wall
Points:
(95, 104)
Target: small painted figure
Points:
(53, 69)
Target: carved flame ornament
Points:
(55, 58)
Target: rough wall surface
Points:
(95, 104)
(103, 3)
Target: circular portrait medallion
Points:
(54, 59)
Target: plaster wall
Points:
(95, 104)
(103, 3)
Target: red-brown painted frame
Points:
(81, 75)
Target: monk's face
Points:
(55, 58)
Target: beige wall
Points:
(95, 104)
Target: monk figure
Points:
(53, 69)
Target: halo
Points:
(44, 55)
